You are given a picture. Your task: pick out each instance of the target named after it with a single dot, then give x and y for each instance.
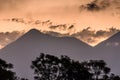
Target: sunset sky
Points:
(73, 17)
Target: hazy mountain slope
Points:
(26, 48)
(109, 50)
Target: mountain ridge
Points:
(25, 49)
(30, 45)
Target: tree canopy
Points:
(98, 68)
(48, 67)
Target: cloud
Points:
(25, 21)
(44, 9)
(11, 4)
(110, 32)
(87, 35)
(8, 37)
(100, 5)
(93, 37)
(62, 27)
(95, 5)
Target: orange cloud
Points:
(8, 37)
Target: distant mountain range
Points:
(30, 45)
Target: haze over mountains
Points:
(30, 45)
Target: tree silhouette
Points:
(18, 78)
(48, 67)
(98, 68)
(5, 71)
(114, 77)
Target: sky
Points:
(89, 20)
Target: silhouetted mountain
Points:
(109, 50)
(29, 46)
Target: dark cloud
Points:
(62, 27)
(8, 37)
(91, 7)
(91, 36)
(19, 20)
(103, 33)
(71, 27)
(99, 5)
(30, 22)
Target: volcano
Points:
(25, 49)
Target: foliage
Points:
(99, 70)
(48, 67)
(5, 71)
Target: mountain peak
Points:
(31, 35)
(33, 31)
